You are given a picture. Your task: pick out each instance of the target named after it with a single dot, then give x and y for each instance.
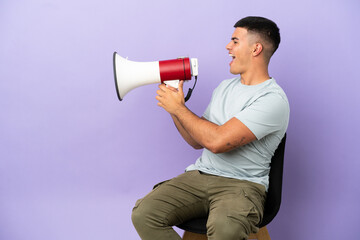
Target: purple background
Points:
(73, 159)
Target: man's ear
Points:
(258, 48)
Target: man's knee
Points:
(146, 214)
(143, 214)
(137, 215)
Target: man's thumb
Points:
(181, 85)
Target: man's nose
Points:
(228, 46)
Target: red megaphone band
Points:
(176, 69)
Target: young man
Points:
(239, 131)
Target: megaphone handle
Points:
(172, 83)
(188, 95)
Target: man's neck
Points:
(254, 79)
(255, 75)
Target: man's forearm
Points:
(199, 130)
(186, 136)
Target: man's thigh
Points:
(177, 200)
(235, 211)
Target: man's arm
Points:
(216, 138)
(186, 136)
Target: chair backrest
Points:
(273, 199)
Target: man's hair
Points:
(265, 28)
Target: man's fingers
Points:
(181, 85)
(162, 90)
(159, 92)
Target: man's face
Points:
(240, 51)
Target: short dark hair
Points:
(267, 29)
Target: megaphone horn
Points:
(129, 74)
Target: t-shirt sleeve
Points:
(206, 114)
(268, 114)
(207, 111)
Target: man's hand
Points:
(171, 99)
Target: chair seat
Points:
(197, 225)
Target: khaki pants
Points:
(234, 207)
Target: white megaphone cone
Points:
(129, 74)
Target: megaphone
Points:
(129, 74)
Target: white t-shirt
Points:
(264, 109)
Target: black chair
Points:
(196, 228)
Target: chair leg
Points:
(194, 236)
(262, 234)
